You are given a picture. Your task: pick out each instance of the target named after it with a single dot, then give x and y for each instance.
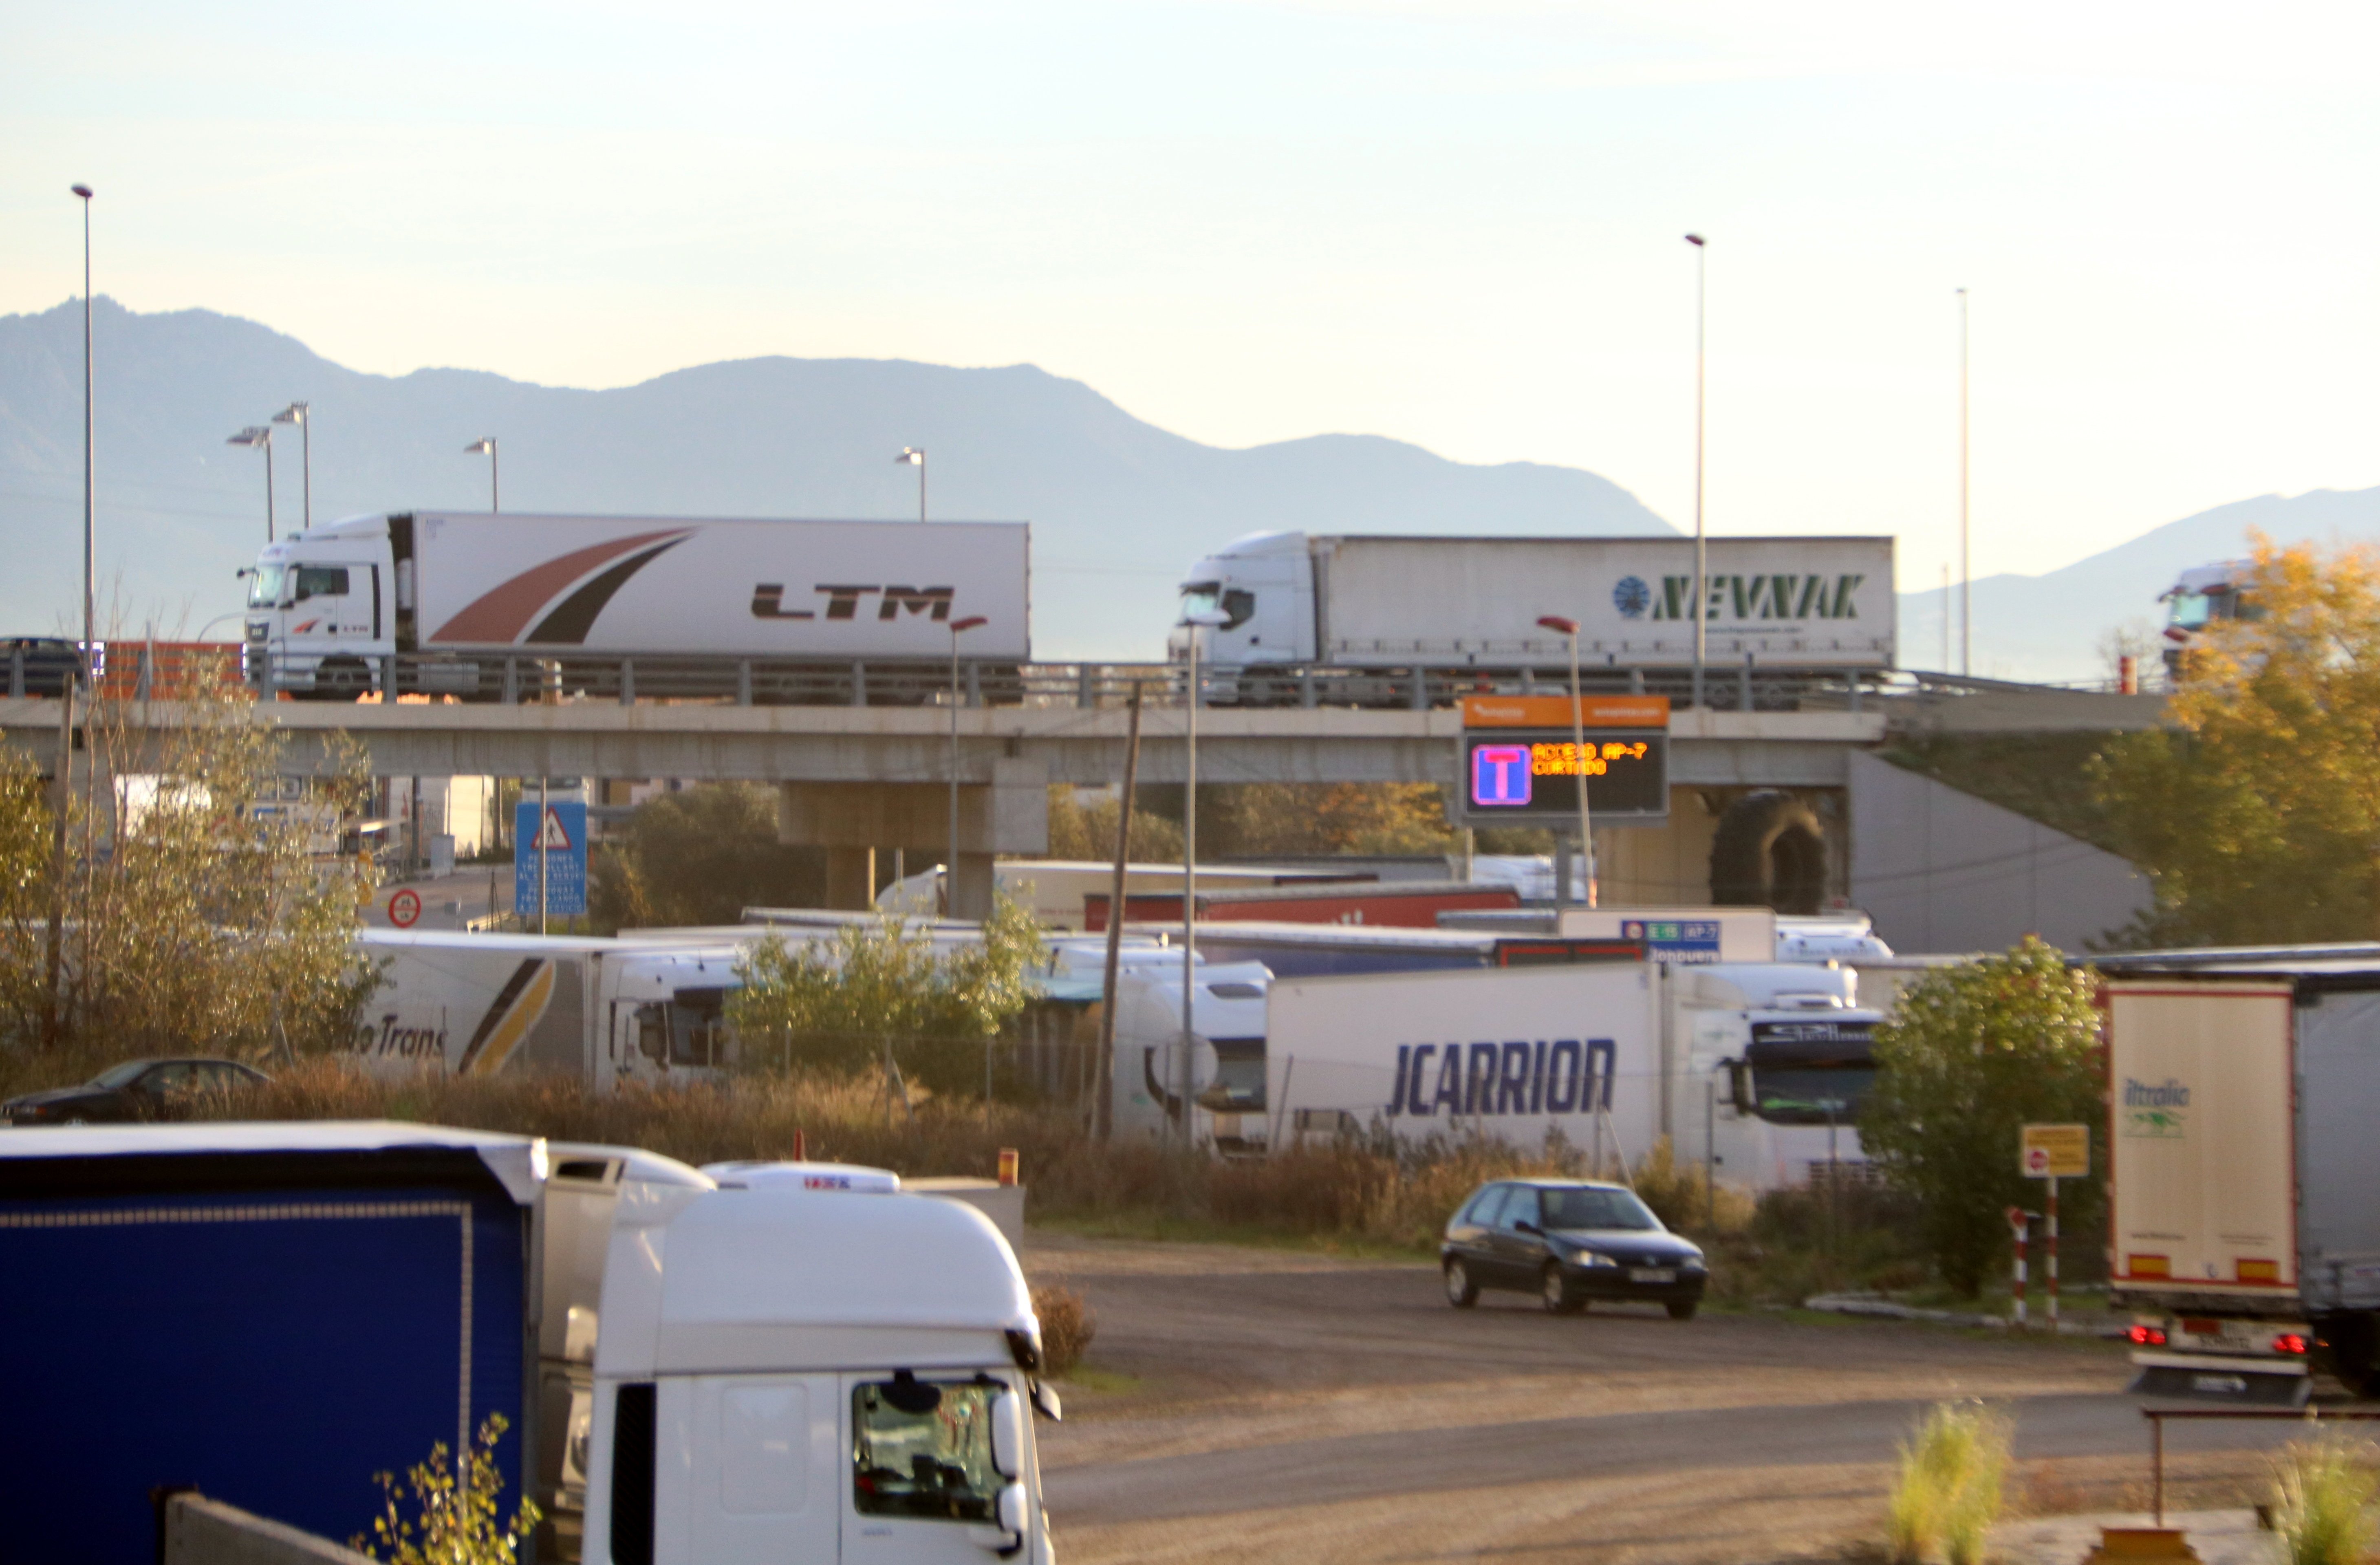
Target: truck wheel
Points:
(1769, 851)
(1461, 1291)
(1553, 1291)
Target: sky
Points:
(1459, 225)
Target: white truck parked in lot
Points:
(449, 602)
(2243, 1229)
(1290, 601)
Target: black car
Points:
(1567, 1241)
(138, 1089)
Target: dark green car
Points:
(1568, 1241)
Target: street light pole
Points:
(89, 455)
(1966, 576)
(1194, 622)
(916, 457)
(486, 446)
(1578, 751)
(951, 870)
(260, 436)
(300, 413)
(1702, 560)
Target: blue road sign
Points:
(563, 837)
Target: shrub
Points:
(1948, 1492)
(2322, 1491)
(454, 1513)
(1067, 1327)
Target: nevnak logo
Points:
(2159, 1111)
(1811, 597)
(843, 603)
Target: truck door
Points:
(921, 1483)
(747, 1468)
(334, 605)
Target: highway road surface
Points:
(1293, 1407)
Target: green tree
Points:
(878, 994)
(1080, 831)
(2256, 811)
(701, 856)
(1971, 1055)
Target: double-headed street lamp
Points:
(89, 459)
(1702, 563)
(1578, 752)
(914, 457)
(486, 446)
(299, 414)
(951, 870)
(260, 436)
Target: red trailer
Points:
(1410, 904)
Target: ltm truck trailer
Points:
(472, 604)
(2244, 1228)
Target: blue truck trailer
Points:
(152, 1280)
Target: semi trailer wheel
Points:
(1769, 851)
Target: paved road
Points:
(1295, 1408)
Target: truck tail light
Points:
(2289, 1342)
(2147, 1335)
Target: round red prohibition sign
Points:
(404, 908)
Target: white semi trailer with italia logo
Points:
(495, 607)
(2243, 1230)
(1274, 605)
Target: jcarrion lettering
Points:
(1811, 597)
(1563, 1076)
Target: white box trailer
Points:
(2243, 1229)
(451, 596)
(1473, 603)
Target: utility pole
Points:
(1966, 574)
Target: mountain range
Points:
(1118, 507)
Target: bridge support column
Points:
(1008, 814)
(851, 878)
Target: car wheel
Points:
(1682, 1309)
(74, 1120)
(1553, 1291)
(1461, 1291)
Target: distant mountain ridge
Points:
(2051, 626)
(1118, 507)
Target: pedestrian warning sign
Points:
(558, 841)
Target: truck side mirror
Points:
(1013, 1500)
(1046, 1403)
(1008, 1434)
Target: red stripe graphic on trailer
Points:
(504, 612)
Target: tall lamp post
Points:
(486, 446)
(951, 870)
(260, 436)
(914, 457)
(1966, 576)
(298, 413)
(1701, 561)
(90, 457)
(1578, 750)
(1193, 622)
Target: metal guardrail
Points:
(631, 678)
(2159, 1416)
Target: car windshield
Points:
(119, 1075)
(264, 587)
(1596, 1209)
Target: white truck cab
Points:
(323, 607)
(791, 1374)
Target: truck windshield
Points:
(1199, 598)
(1811, 1095)
(264, 587)
(935, 1463)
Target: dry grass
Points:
(1067, 1327)
(1948, 1493)
(2322, 1491)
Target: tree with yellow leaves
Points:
(2257, 810)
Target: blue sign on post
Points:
(563, 836)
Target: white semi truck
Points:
(1282, 605)
(694, 1371)
(493, 607)
(2242, 1231)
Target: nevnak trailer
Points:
(2243, 1230)
(461, 603)
(1289, 601)
(273, 1313)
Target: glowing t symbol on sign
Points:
(1499, 774)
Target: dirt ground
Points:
(1250, 1404)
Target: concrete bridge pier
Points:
(858, 822)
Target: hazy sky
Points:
(1456, 224)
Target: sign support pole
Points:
(2018, 1222)
(540, 854)
(2051, 1235)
